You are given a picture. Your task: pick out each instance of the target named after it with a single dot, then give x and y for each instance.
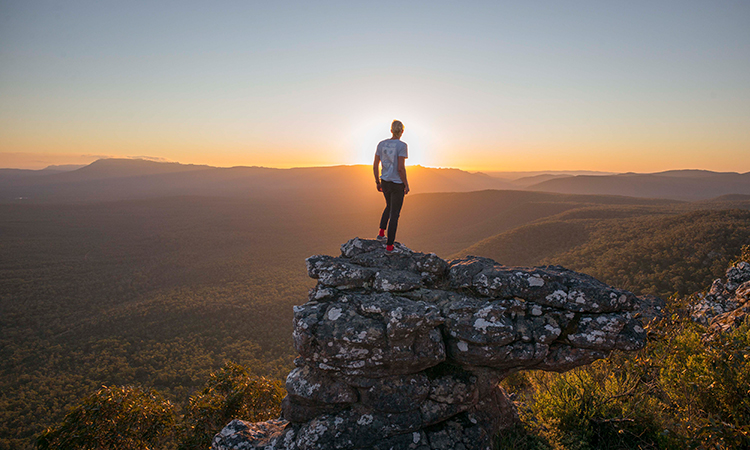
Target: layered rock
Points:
(405, 350)
(727, 303)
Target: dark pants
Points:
(394, 200)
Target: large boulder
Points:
(726, 305)
(405, 350)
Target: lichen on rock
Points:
(727, 303)
(405, 350)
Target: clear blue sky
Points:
(614, 86)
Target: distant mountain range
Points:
(674, 184)
(121, 179)
(514, 176)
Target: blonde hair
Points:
(397, 127)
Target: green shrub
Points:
(680, 391)
(707, 385)
(126, 417)
(232, 392)
(602, 406)
(118, 417)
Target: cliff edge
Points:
(405, 350)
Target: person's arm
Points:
(402, 172)
(376, 172)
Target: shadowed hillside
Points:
(645, 250)
(447, 223)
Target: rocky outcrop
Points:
(405, 350)
(727, 303)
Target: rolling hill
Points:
(643, 249)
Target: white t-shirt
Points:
(389, 150)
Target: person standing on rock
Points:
(391, 154)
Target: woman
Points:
(392, 154)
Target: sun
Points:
(365, 135)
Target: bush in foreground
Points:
(230, 393)
(681, 391)
(121, 417)
(126, 417)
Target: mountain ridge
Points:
(687, 185)
(118, 179)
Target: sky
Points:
(638, 86)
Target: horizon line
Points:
(473, 171)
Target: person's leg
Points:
(397, 201)
(387, 211)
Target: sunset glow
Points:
(545, 86)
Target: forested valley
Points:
(161, 293)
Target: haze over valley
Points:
(128, 271)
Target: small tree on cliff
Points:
(744, 254)
(232, 392)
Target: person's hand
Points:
(406, 189)
(380, 188)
